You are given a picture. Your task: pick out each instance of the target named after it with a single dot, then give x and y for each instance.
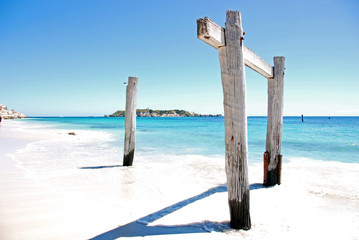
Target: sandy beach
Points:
(157, 200)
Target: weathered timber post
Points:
(229, 42)
(233, 55)
(272, 157)
(235, 121)
(130, 121)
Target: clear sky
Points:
(71, 57)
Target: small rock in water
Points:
(71, 133)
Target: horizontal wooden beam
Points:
(214, 35)
(255, 62)
(210, 32)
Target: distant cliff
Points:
(6, 114)
(162, 113)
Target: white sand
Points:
(159, 200)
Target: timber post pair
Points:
(233, 56)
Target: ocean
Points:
(317, 138)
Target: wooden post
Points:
(233, 55)
(266, 161)
(279, 169)
(130, 121)
(275, 122)
(235, 118)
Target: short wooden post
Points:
(279, 169)
(275, 122)
(235, 119)
(266, 161)
(130, 121)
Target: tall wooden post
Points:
(130, 121)
(233, 56)
(235, 120)
(272, 157)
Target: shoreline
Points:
(32, 209)
(143, 200)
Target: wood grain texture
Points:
(275, 120)
(210, 32)
(214, 35)
(265, 161)
(235, 115)
(130, 121)
(256, 63)
(279, 169)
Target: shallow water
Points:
(320, 138)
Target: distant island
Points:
(162, 113)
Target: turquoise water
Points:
(319, 138)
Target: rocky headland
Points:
(162, 113)
(12, 114)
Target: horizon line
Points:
(53, 116)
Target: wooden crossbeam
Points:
(256, 63)
(210, 32)
(214, 35)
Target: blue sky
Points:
(71, 57)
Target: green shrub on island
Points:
(162, 113)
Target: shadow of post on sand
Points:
(101, 167)
(140, 228)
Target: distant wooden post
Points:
(274, 124)
(130, 121)
(233, 55)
